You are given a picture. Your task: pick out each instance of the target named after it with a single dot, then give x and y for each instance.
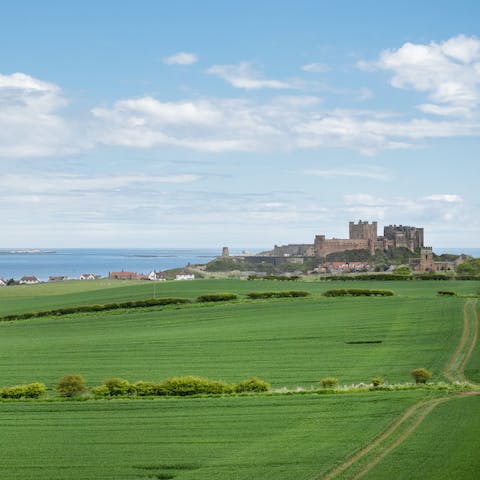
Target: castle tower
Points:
(426, 259)
(225, 252)
(363, 231)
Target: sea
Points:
(72, 262)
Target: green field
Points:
(279, 438)
(289, 342)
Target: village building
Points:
(185, 275)
(88, 276)
(57, 278)
(123, 276)
(426, 263)
(3, 283)
(29, 280)
(157, 276)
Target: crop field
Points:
(290, 342)
(47, 296)
(280, 438)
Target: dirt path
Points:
(474, 339)
(454, 371)
(422, 409)
(402, 437)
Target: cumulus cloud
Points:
(374, 173)
(315, 67)
(447, 198)
(30, 123)
(245, 77)
(181, 58)
(449, 72)
(281, 123)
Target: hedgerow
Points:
(217, 297)
(30, 390)
(285, 294)
(71, 386)
(357, 292)
(274, 277)
(178, 386)
(149, 302)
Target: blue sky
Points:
(202, 124)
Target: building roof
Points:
(29, 279)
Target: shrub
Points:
(329, 382)
(217, 297)
(30, 390)
(421, 375)
(377, 381)
(252, 384)
(191, 385)
(118, 386)
(446, 293)
(101, 391)
(285, 294)
(71, 386)
(357, 292)
(145, 389)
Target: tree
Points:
(421, 375)
(71, 386)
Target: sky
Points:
(150, 124)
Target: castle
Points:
(362, 236)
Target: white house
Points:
(185, 275)
(3, 283)
(88, 276)
(29, 280)
(157, 276)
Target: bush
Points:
(284, 294)
(329, 382)
(118, 386)
(421, 375)
(217, 297)
(145, 389)
(191, 385)
(30, 390)
(357, 292)
(71, 386)
(446, 293)
(252, 384)
(377, 381)
(101, 391)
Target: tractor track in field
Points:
(454, 371)
(424, 407)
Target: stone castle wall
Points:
(324, 247)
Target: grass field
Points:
(47, 296)
(281, 438)
(444, 446)
(289, 342)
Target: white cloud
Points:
(449, 72)
(65, 183)
(364, 199)
(353, 171)
(282, 123)
(29, 123)
(447, 198)
(315, 67)
(181, 58)
(243, 76)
